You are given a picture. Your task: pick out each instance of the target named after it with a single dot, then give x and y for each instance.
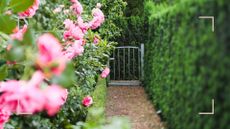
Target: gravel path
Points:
(131, 101)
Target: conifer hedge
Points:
(186, 64)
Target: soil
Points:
(132, 102)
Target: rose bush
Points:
(37, 66)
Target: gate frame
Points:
(141, 72)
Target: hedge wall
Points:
(99, 98)
(187, 65)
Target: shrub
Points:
(99, 97)
(110, 30)
(133, 24)
(19, 61)
(187, 65)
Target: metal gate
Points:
(126, 64)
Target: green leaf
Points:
(67, 78)
(28, 38)
(7, 24)
(3, 4)
(3, 72)
(16, 54)
(20, 5)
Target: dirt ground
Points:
(131, 101)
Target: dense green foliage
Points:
(133, 24)
(187, 65)
(99, 97)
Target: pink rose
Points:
(74, 1)
(87, 101)
(50, 55)
(96, 40)
(20, 97)
(69, 24)
(30, 12)
(67, 34)
(98, 18)
(73, 50)
(56, 97)
(84, 26)
(77, 8)
(66, 11)
(79, 49)
(19, 33)
(105, 72)
(69, 53)
(36, 79)
(72, 31)
(57, 10)
(4, 117)
(28, 97)
(77, 33)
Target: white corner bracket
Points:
(209, 113)
(209, 17)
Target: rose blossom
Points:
(57, 10)
(66, 11)
(74, 1)
(23, 96)
(77, 33)
(30, 12)
(84, 26)
(68, 24)
(105, 72)
(28, 97)
(74, 49)
(4, 117)
(69, 53)
(36, 79)
(72, 31)
(96, 40)
(19, 33)
(56, 97)
(20, 97)
(87, 101)
(77, 8)
(79, 49)
(67, 34)
(50, 55)
(98, 18)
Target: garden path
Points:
(132, 102)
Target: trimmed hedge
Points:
(187, 65)
(99, 98)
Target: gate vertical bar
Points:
(114, 64)
(129, 63)
(133, 73)
(142, 60)
(119, 67)
(108, 64)
(124, 63)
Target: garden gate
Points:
(126, 64)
